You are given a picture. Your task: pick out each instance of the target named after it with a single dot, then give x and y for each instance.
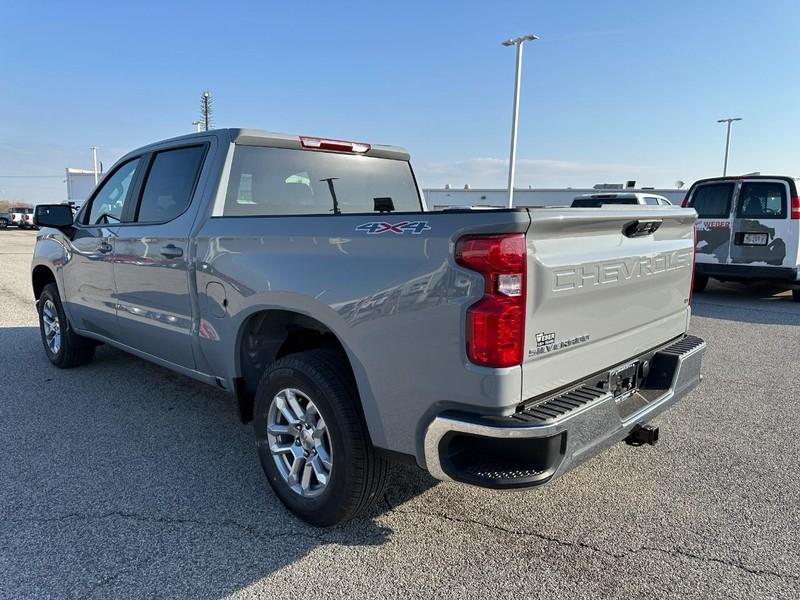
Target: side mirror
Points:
(58, 216)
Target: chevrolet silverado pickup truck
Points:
(498, 348)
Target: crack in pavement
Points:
(577, 544)
(315, 534)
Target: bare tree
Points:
(206, 110)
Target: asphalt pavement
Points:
(122, 479)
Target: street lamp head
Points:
(520, 40)
(729, 120)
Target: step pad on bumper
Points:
(554, 408)
(544, 411)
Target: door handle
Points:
(171, 251)
(104, 247)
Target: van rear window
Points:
(762, 200)
(713, 200)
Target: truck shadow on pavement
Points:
(756, 303)
(127, 479)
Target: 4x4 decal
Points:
(374, 227)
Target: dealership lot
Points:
(123, 479)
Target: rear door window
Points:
(651, 201)
(713, 200)
(170, 183)
(762, 200)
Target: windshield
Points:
(278, 181)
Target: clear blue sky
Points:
(612, 90)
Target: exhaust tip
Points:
(639, 436)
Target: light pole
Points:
(727, 142)
(94, 158)
(515, 114)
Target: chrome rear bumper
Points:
(550, 436)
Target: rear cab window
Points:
(278, 181)
(598, 202)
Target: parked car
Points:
(747, 229)
(22, 217)
(355, 327)
(606, 199)
(5, 219)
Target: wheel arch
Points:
(41, 275)
(269, 333)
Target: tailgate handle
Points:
(641, 227)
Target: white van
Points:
(747, 229)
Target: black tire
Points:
(74, 350)
(700, 282)
(358, 474)
(796, 295)
(3, 223)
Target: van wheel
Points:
(311, 439)
(63, 347)
(796, 295)
(700, 282)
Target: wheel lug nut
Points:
(297, 442)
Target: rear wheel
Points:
(311, 439)
(3, 223)
(796, 295)
(63, 346)
(700, 282)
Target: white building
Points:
(80, 185)
(452, 197)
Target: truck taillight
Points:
(496, 323)
(796, 207)
(685, 202)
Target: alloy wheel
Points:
(52, 326)
(299, 442)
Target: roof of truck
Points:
(260, 137)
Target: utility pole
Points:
(206, 110)
(727, 142)
(94, 159)
(512, 163)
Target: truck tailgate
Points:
(602, 289)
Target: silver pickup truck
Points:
(305, 276)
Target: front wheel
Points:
(311, 439)
(796, 295)
(63, 346)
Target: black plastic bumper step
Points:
(556, 407)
